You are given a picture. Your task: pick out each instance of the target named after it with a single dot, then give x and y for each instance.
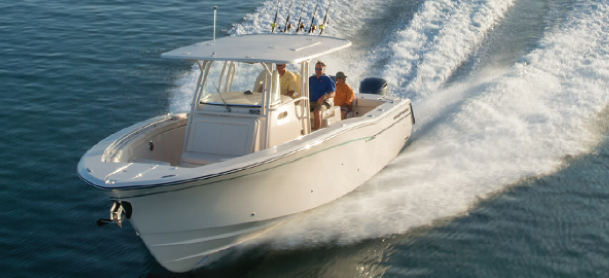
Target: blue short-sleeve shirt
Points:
(320, 86)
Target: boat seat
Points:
(214, 139)
(329, 116)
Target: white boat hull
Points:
(183, 221)
(244, 157)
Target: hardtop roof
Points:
(267, 48)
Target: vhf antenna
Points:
(215, 9)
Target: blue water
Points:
(506, 175)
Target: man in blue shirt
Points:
(321, 91)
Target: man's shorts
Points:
(327, 104)
(345, 108)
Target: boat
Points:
(240, 161)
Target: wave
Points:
(475, 135)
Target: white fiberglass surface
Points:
(500, 93)
(233, 98)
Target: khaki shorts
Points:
(345, 108)
(323, 107)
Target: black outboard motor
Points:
(375, 86)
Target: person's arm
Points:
(326, 96)
(350, 95)
(331, 89)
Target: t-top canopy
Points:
(267, 48)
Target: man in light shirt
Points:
(288, 81)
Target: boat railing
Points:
(303, 102)
(223, 113)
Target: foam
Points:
(476, 138)
(472, 138)
(440, 37)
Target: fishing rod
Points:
(301, 26)
(313, 27)
(323, 26)
(287, 20)
(275, 21)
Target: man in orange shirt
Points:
(344, 94)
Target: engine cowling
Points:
(374, 86)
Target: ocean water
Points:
(506, 174)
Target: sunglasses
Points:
(318, 68)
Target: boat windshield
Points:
(240, 84)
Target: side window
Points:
(244, 76)
(231, 80)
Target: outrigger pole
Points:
(287, 20)
(300, 26)
(313, 27)
(275, 21)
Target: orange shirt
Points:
(344, 94)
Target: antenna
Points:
(215, 9)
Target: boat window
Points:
(238, 84)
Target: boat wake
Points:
(483, 123)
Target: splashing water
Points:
(475, 135)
